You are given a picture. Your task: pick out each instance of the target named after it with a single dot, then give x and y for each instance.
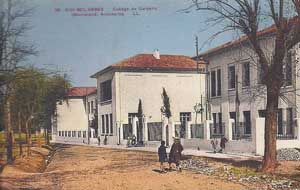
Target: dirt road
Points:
(81, 167)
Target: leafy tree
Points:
(246, 17)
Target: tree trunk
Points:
(270, 155)
(20, 134)
(28, 137)
(8, 129)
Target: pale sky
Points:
(83, 45)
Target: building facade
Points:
(142, 78)
(237, 96)
(73, 120)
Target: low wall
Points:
(240, 146)
(288, 144)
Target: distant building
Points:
(73, 122)
(143, 77)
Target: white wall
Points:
(71, 116)
(183, 89)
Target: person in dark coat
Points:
(175, 154)
(162, 155)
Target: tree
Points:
(27, 96)
(13, 51)
(55, 89)
(140, 118)
(246, 17)
(165, 109)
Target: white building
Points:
(74, 116)
(235, 87)
(143, 77)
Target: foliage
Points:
(165, 109)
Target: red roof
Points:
(269, 30)
(147, 62)
(166, 62)
(81, 91)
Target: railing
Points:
(197, 131)
(241, 132)
(286, 136)
(217, 130)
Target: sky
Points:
(83, 45)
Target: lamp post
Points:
(198, 108)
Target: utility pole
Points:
(237, 107)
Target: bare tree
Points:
(13, 51)
(246, 17)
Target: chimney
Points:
(156, 54)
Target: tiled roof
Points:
(147, 62)
(81, 91)
(166, 62)
(267, 31)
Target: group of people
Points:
(174, 156)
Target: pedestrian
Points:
(175, 154)
(223, 144)
(162, 155)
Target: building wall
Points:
(252, 98)
(184, 90)
(71, 116)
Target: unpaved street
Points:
(80, 167)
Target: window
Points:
(214, 115)
(260, 74)
(219, 82)
(220, 123)
(102, 124)
(216, 83)
(66, 133)
(69, 133)
(59, 133)
(89, 107)
(79, 134)
(246, 74)
(73, 133)
(232, 115)
(231, 77)
(84, 134)
(105, 91)
(106, 123)
(111, 123)
(280, 122)
(184, 118)
(288, 70)
(262, 113)
(213, 84)
(247, 122)
(289, 121)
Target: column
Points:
(297, 129)
(260, 136)
(188, 129)
(145, 129)
(121, 136)
(134, 126)
(207, 129)
(164, 123)
(228, 130)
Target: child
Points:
(162, 154)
